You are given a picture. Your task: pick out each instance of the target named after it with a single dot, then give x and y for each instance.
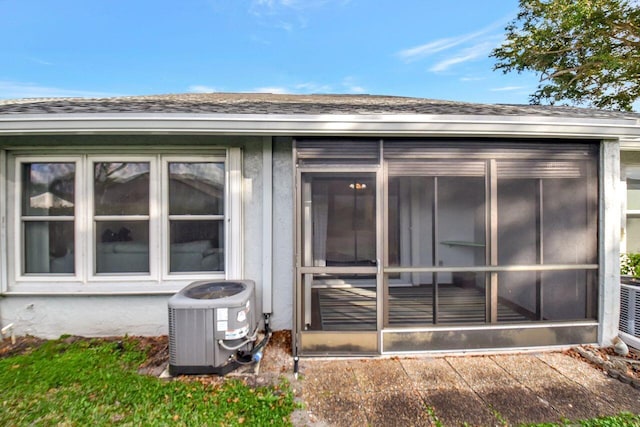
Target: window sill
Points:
(88, 293)
(124, 286)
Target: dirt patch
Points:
(626, 368)
(276, 359)
(157, 350)
(23, 345)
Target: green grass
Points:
(96, 383)
(624, 419)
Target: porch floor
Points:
(348, 309)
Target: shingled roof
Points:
(264, 103)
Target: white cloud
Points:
(288, 15)
(349, 83)
(258, 6)
(273, 89)
(287, 26)
(449, 51)
(295, 88)
(480, 50)
(356, 89)
(201, 89)
(12, 89)
(507, 88)
(39, 61)
(312, 88)
(428, 49)
(472, 79)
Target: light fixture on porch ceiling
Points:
(357, 186)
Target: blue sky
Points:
(423, 48)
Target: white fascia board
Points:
(326, 124)
(630, 144)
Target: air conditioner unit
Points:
(210, 324)
(630, 314)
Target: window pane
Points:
(518, 224)
(633, 194)
(517, 291)
(462, 300)
(122, 247)
(339, 302)
(196, 188)
(633, 234)
(459, 227)
(569, 295)
(196, 246)
(48, 189)
(411, 201)
(546, 221)
(569, 231)
(340, 225)
(461, 223)
(48, 247)
(121, 188)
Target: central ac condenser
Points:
(210, 323)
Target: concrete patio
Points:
(476, 390)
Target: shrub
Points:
(630, 264)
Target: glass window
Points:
(196, 216)
(631, 173)
(48, 217)
(121, 188)
(121, 209)
(145, 216)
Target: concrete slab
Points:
(569, 398)
(480, 391)
(396, 408)
(504, 396)
(445, 392)
(339, 409)
(332, 393)
(329, 377)
(380, 375)
(622, 397)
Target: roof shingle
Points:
(263, 103)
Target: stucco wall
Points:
(252, 215)
(50, 316)
(283, 228)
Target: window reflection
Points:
(48, 189)
(196, 188)
(121, 188)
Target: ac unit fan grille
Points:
(173, 356)
(630, 310)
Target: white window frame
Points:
(17, 235)
(154, 212)
(626, 212)
(4, 203)
(166, 218)
(159, 280)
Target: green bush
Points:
(630, 264)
